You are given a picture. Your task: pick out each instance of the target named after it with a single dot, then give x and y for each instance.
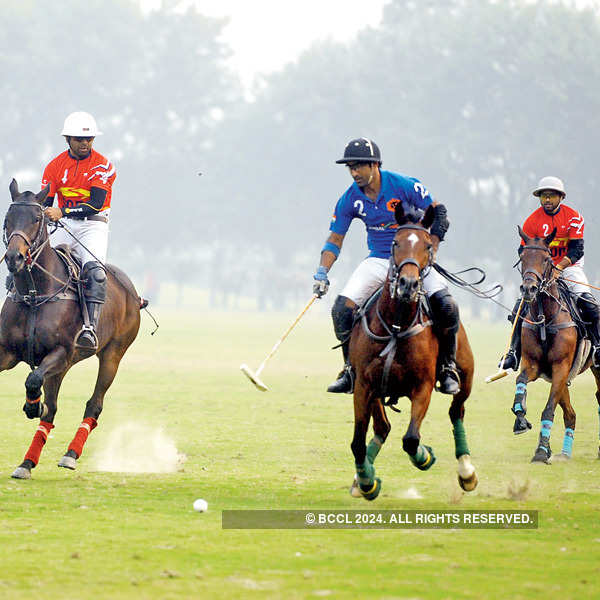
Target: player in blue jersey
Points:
(371, 198)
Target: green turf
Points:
(87, 534)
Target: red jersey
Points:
(71, 179)
(569, 226)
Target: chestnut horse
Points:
(394, 351)
(39, 323)
(548, 347)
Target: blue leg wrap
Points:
(519, 401)
(568, 441)
(546, 428)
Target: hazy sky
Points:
(266, 34)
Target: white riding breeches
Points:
(371, 274)
(93, 236)
(576, 273)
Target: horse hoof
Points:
(468, 484)
(21, 473)
(541, 457)
(354, 489)
(429, 460)
(522, 425)
(374, 491)
(562, 457)
(68, 462)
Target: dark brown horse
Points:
(394, 352)
(39, 322)
(549, 344)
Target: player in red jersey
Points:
(567, 256)
(81, 181)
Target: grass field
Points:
(94, 534)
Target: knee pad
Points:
(343, 318)
(94, 278)
(588, 306)
(445, 310)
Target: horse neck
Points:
(550, 307)
(394, 312)
(44, 284)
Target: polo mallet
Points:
(502, 372)
(254, 376)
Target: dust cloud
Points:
(135, 448)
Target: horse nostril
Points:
(415, 284)
(402, 281)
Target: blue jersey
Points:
(378, 216)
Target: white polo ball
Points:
(200, 505)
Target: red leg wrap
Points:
(39, 439)
(86, 427)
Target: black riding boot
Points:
(343, 318)
(513, 356)
(590, 313)
(446, 321)
(94, 289)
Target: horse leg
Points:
(48, 375)
(368, 484)
(420, 455)
(560, 372)
(529, 372)
(569, 418)
(109, 359)
(596, 373)
(381, 429)
(467, 478)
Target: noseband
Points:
(395, 269)
(31, 245)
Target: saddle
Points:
(584, 344)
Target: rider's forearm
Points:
(331, 250)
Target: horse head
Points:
(412, 251)
(24, 226)
(536, 263)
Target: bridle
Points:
(532, 274)
(395, 269)
(32, 245)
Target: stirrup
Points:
(450, 376)
(344, 384)
(86, 334)
(596, 356)
(509, 361)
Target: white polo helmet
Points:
(80, 124)
(550, 183)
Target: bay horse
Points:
(394, 351)
(39, 323)
(549, 342)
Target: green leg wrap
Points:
(460, 438)
(365, 474)
(373, 448)
(424, 458)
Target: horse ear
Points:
(550, 237)
(522, 234)
(41, 196)
(14, 189)
(399, 213)
(427, 220)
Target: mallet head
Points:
(253, 378)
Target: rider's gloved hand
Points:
(321, 284)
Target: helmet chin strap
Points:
(370, 179)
